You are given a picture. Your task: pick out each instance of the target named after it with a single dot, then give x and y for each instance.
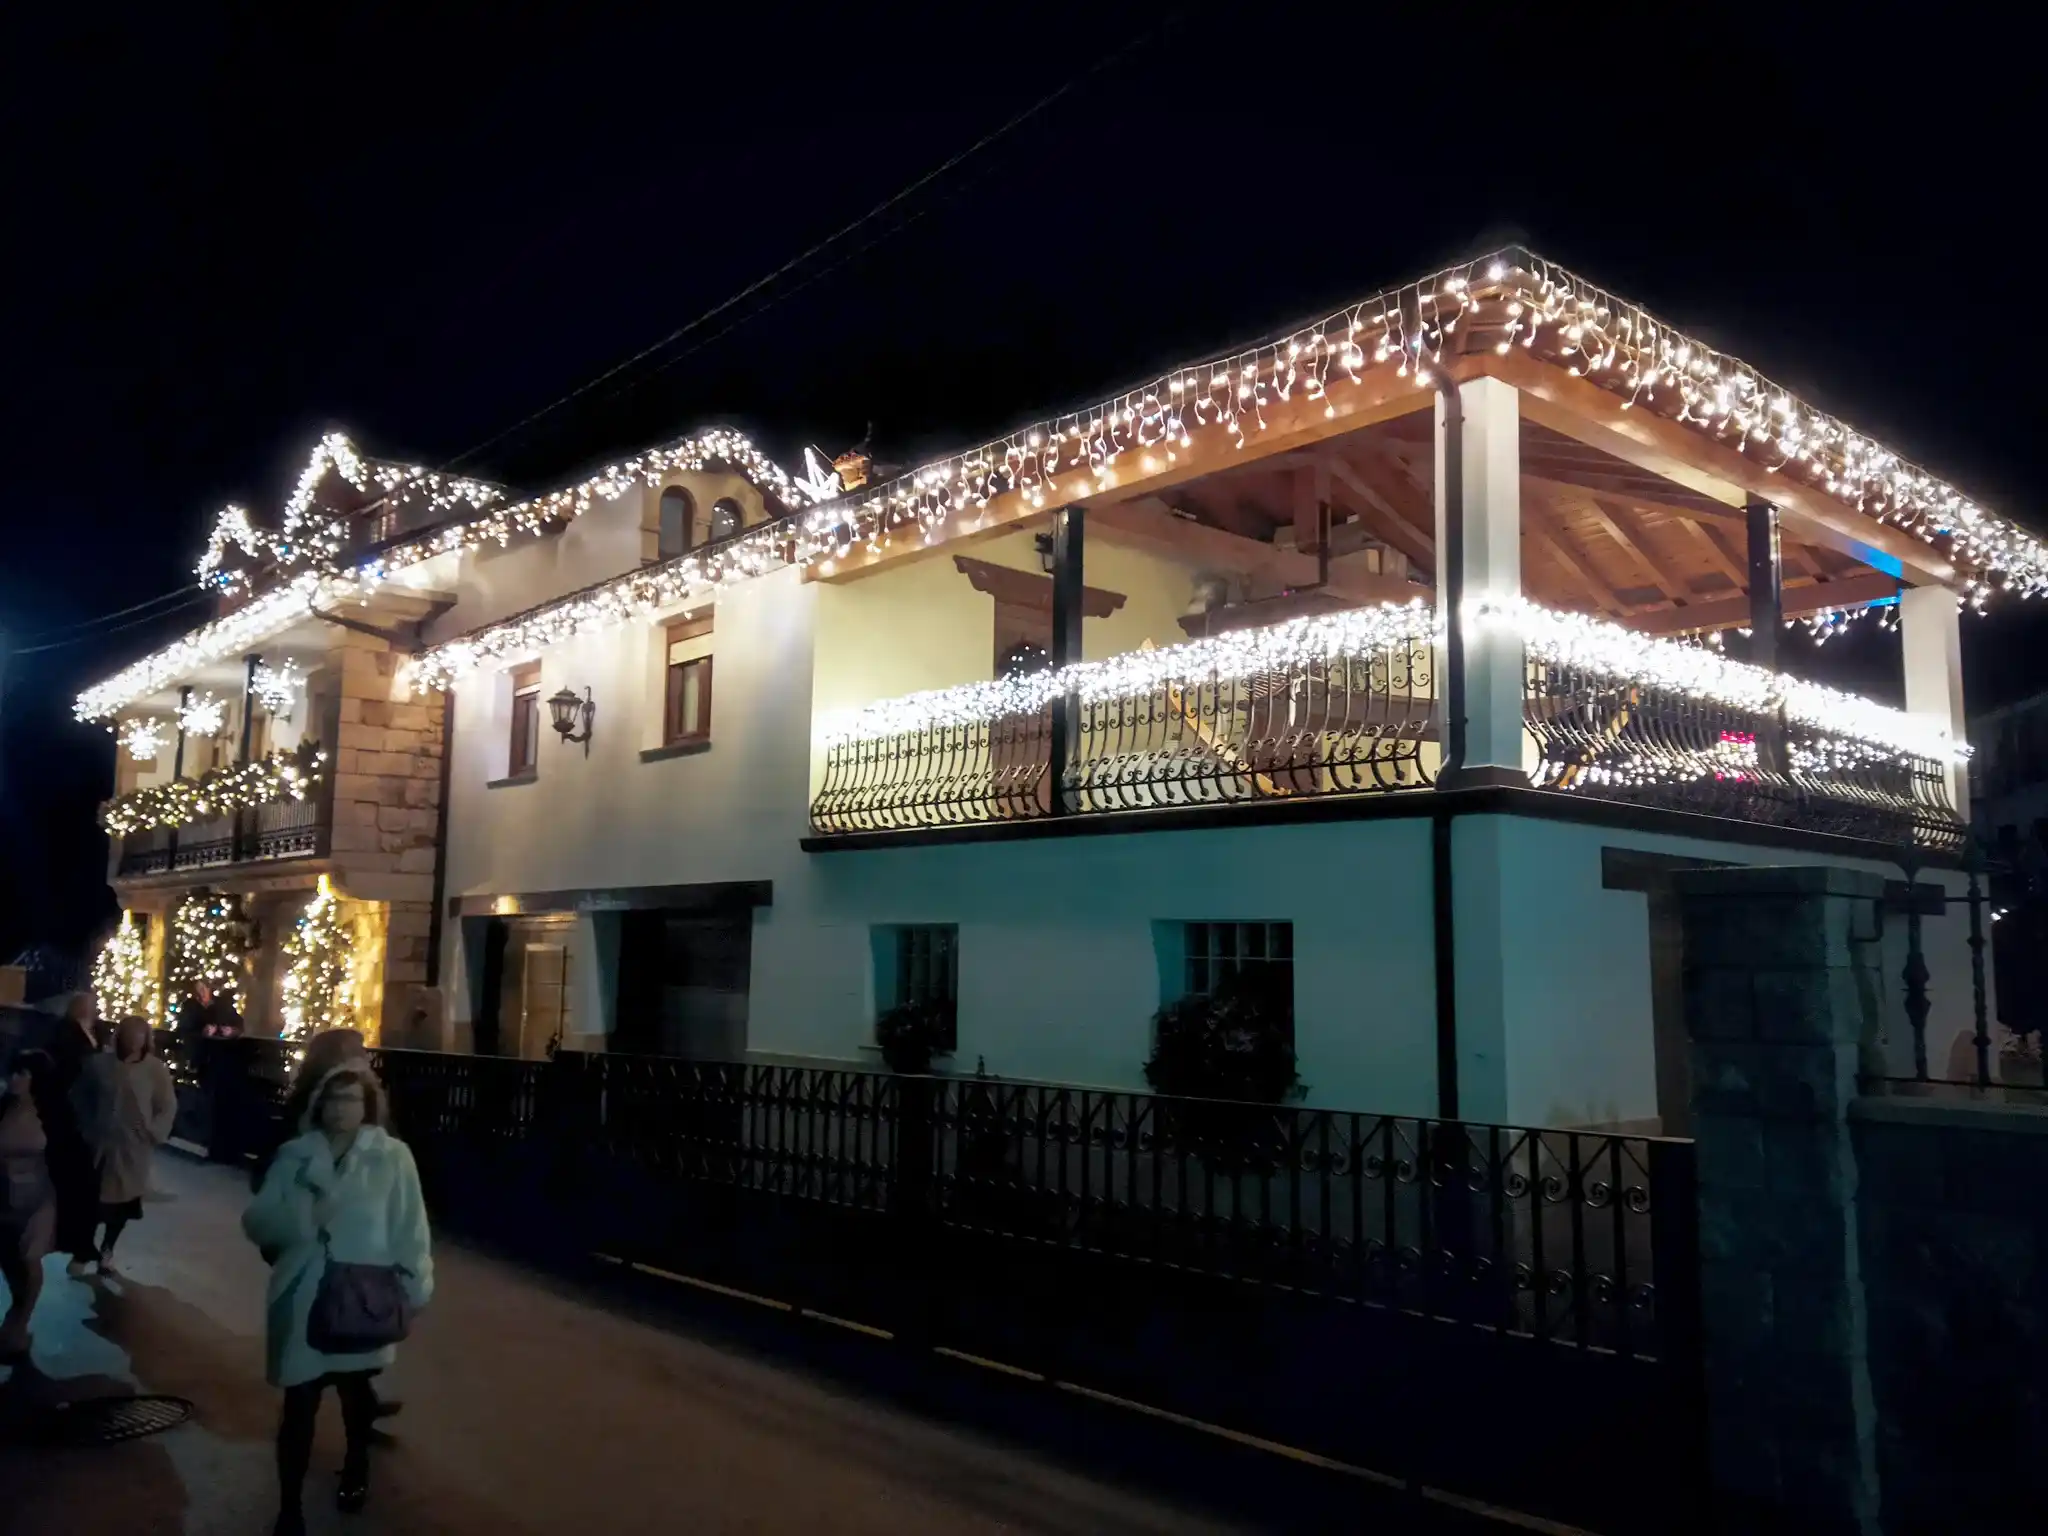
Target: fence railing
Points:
(1619, 739)
(1348, 1283)
(1545, 1233)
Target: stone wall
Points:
(1953, 1201)
(1780, 999)
(387, 788)
(1874, 1271)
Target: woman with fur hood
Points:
(343, 1191)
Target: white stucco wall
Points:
(1554, 970)
(1058, 970)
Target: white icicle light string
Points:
(1241, 653)
(276, 610)
(1597, 646)
(1539, 306)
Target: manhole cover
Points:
(110, 1420)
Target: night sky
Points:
(228, 233)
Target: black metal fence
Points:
(1358, 1285)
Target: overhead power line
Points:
(169, 602)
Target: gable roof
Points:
(308, 546)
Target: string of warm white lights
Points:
(1356, 632)
(275, 610)
(1513, 297)
(207, 943)
(179, 802)
(121, 984)
(318, 989)
(1608, 650)
(1627, 350)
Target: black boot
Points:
(290, 1522)
(353, 1492)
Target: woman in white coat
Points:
(344, 1186)
(126, 1106)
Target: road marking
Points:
(714, 1287)
(987, 1364)
(1479, 1507)
(845, 1322)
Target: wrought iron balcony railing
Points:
(1344, 704)
(285, 830)
(1336, 704)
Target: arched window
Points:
(726, 518)
(677, 514)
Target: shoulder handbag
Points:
(358, 1308)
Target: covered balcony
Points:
(1509, 578)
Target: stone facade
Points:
(386, 810)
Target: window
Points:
(1215, 955)
(686, 706)
(726, 518)
(920, 963)
(678, 515)
(525, 754)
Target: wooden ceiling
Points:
(1599, 535)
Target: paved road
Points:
(536, 1405)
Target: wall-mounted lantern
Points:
(566, 709)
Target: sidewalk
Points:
(528, 1409)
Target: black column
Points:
(1067, 584)
(178, 765)
(1766, 585)
(1766, 618)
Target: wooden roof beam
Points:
(1626, 532)
(1383, 517)
(1724, 612)
(1541, 520)
(1582, 410)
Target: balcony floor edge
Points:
(1486, 800)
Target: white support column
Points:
(1491, 461)
(1930, 631)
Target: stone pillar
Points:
(1781, 996)
(1490, 564)
(1930, 634)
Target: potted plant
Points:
(1220, 1054)
(911, 1034)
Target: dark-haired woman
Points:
(344, 1190)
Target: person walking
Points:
(28, 1201)
(341, 1211)
(325, 1051)
(126, 1105)
(73, 1046)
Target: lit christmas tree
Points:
(319, 990)
(206, 945)
(121, 982)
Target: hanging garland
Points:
(319, 989)
(121, 983)
(208, 943)
(266, 781)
